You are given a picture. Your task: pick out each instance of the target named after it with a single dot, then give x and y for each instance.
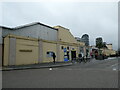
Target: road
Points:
(93, 74)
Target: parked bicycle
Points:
(80, 59)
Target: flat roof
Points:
(109, 44)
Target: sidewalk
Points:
(48, 65)
(37, 66)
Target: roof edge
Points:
(27, 25)
(61, 27)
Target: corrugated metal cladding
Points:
(0, 35)
(35, 31)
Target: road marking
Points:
(50, 68)
(114, 69)
(115, 64)
(111, 58)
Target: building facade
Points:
(109, 46)
(35, 43)
(69, 46)
(85, 39)
(85, 51)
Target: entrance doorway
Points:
(73, 54)
(68, 55)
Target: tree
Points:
(99, 42)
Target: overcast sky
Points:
(97, 19)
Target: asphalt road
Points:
(93, 74)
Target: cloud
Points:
(95, 19)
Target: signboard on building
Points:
(65, 55)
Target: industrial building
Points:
(35, 43)
(109, 50)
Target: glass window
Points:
(62, 47)
(49, 54)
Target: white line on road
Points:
(115, 64)
(50, 68)
(114, 69)
(112, 58)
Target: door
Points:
(68, 55)
(73, 54)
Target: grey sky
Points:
(94, 18)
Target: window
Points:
(68, 48)
(49, 54)
(62, 47)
